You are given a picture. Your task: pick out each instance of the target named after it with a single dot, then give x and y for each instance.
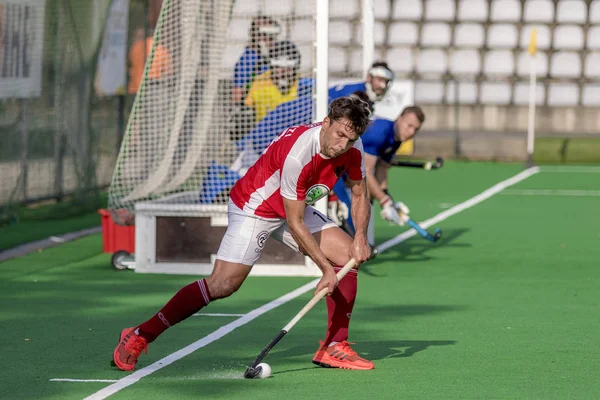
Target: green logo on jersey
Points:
(316, 192)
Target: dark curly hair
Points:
(355, 110)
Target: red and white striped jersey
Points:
(293, 167)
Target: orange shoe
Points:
(129, 349)
(340, 355)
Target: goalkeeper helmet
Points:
(379, 80)
(263, 33)
(284, 59)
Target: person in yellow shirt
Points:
(279, 84)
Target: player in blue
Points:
(380, 143)
(378, 81)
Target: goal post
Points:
(222, 79)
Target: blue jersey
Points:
(250, 64)
(345, 90)
(378, 140)
(293, 113)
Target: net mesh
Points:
(221, 80)
(59, 139)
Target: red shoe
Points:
(129, 349)
(340, 355)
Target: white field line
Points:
(572, 169)
(551, 192)
(486, 194)
(81, 380)
(225, 329)
(217, 315)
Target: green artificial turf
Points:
(504, 306)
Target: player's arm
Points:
(294, 210)
(379, 192)
(361, 212)
(293, 192)
(241, 76)
(375, 189)
(381, 174)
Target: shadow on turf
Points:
(379, 349)
(415, 249)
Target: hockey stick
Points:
(428, 165)
(253, 371)
(437, 234)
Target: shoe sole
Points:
(112, 362)
(325, 365)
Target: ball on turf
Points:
(265, 370)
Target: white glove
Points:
(389, 212)
(401, 208)
(338, 212)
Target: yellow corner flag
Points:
(532, 42)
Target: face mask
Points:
(283, 84)
(380, 72)
(263, 49)
(372, 95)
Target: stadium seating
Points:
(595, 12)
(473, 10)
(506, 11)
(467, 51)
(591, 95)
(469, 35)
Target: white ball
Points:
(265, 371)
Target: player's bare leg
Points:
(226, 279)
(335, 351)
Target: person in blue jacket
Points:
(264, 31)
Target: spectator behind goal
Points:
(255, 59)
(279, 84)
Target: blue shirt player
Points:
(380, 143)
(378, 81)
(254, 60)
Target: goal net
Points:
(222, 79)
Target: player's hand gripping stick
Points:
(253, 370)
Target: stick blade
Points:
(252, 373)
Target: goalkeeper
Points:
(255, 59)
(380, 142)
(379, 80)
(278, 85)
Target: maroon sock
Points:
(339, 307)
(185, 303)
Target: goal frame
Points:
(147, 213)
